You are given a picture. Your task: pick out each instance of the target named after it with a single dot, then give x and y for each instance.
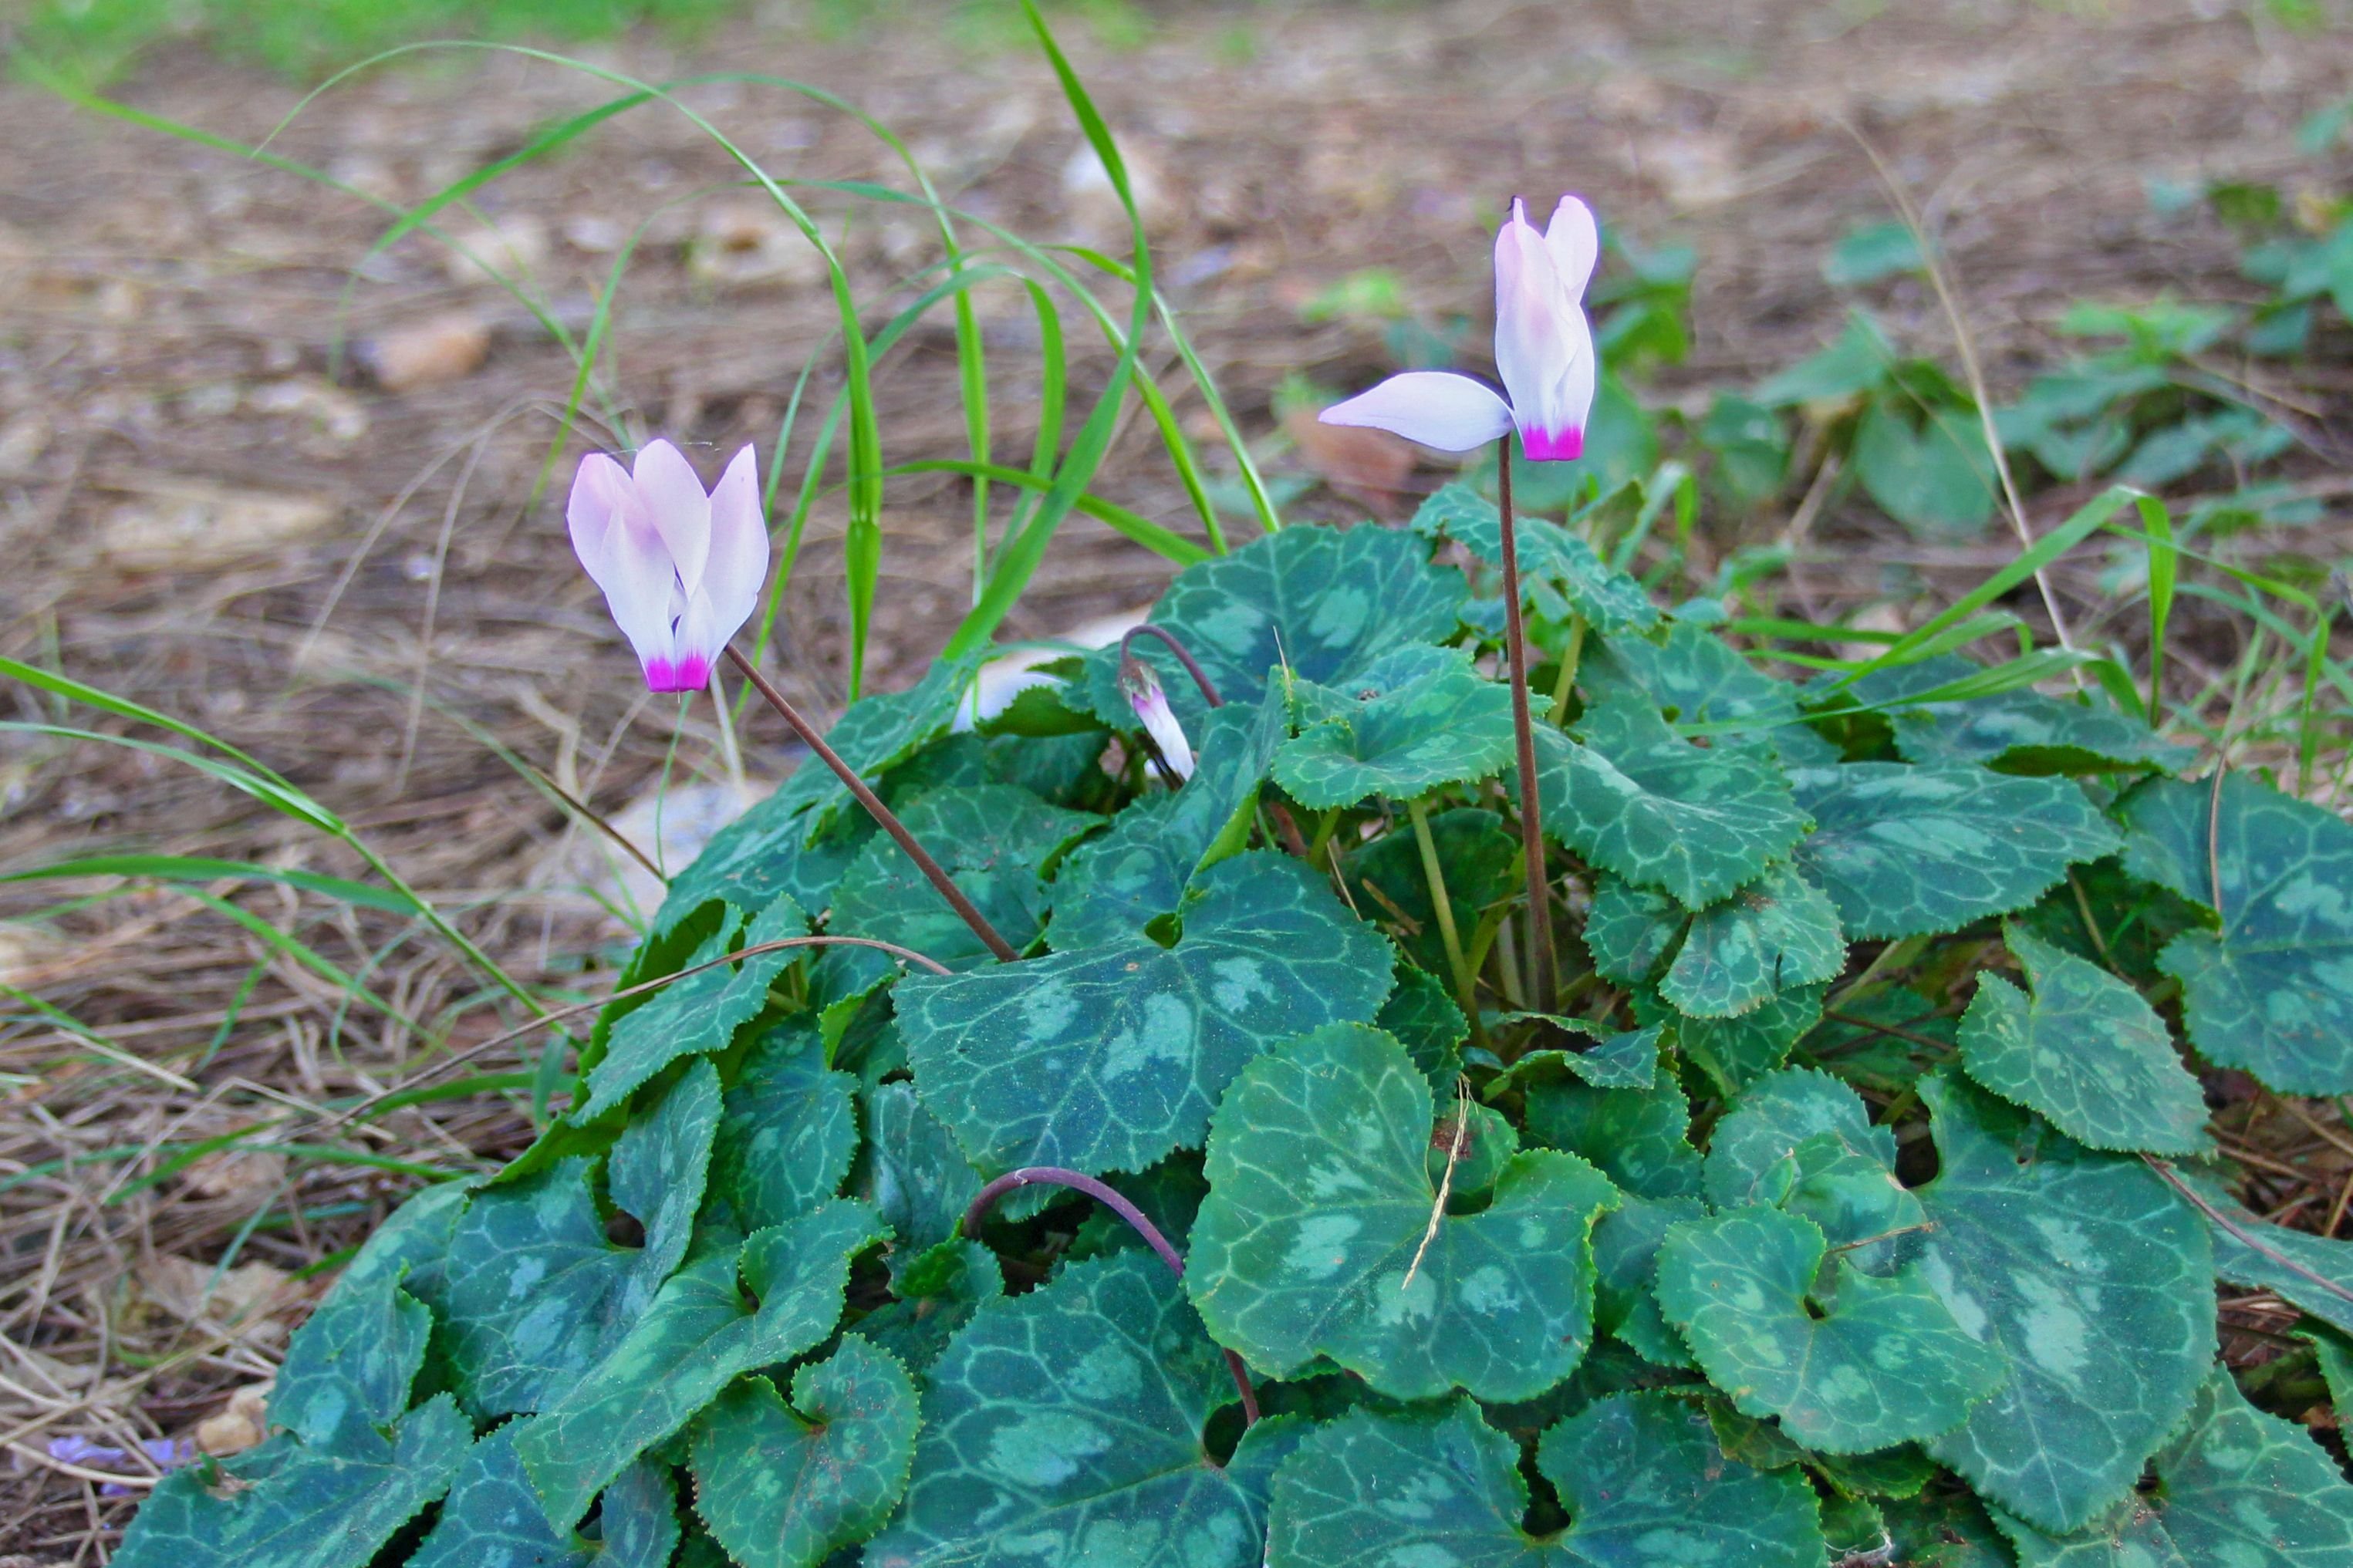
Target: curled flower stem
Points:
(1184, 657)
(1540, 958)
(1109, 1196)
(882, 815)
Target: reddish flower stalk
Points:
(882, 815)
(1532, 849)
(1109, 1196)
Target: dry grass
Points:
(167, 319)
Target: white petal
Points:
(1435, 408)
(1532, 329)
(1160, 723)
(601, 488)
(1552, 426)
(738, 564)
(681, 509)
(625, 555)
(1575, 241)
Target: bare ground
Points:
(203, 510)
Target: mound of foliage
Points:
(1855, 1198)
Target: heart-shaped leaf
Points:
(536, 1293)
(1776, 934)
(2087, 1052)
(2023, 731)
(1625, 1268)
(785, 1486)
(2272, 991)
(1107, 1058)
(1636, 799)
(996, 843)
(1935, 479)
(789, 1129)
(1560, 575)
(1690, 675)
(1735, 1052)
(1906, 851)
(2313, 1272)
(1867, 1362)
(938, 1290)
(912, 1172)
(1640, 1137)
(1631, 930)
(692, 1016)
(768, 850)
(1320, 603)
(1643, 1479)
(350, 1472)
(1801, 1140)
(2235, 1486)
(1413, 719)
(2093, 1284)
(696, 1337)
(1065, 1427)
(491, 1518)
(1309, 1242)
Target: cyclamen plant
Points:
(1851, 1200)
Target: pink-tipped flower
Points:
(1151, 705)
(1544, 352)
(681, 569)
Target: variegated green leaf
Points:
(1774, 934)
(491, 1519)
(1560, 575)
(1413, 719)
(789, 1129)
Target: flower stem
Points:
(1540, 976)
(1184, 657)
(1464, 990)
(1110, 1198)
(882, 815)
(1571, 654)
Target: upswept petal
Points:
(1552, 427)
(625, 555)
(1532, 330)
(601, 489)
(1151, 705)
(739, 547)
(1575, 241)
(681, 509)
(1435, 407)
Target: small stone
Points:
(429, 352)
(171, 524)
(239, 1425)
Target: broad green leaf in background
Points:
(2087, 1052)
(2023, 731)
(912, 1170)
(2314, 1273)
(2272, 991)
(1107, 1058)
(1859, 361)
(1735, 1052)
(996, 842)
(1629, 931)
(352, 1470)
(1934, 476)
(1116, 885)
(1478, 856)
(1636, 799)
(1945, 1527)
(938, 1290)
(536, 1293)
(1640, 1476)
(491, 1519)
(1413, 719)
(1776, 932)
(692, 1016)
(1873, 1362)
(1560, 573)
(1691, 675)
(2092, 1283)
(1320, 601)
(785, 1487)
(695, 1339)
(1625, 1263)
(1640, 1138)
(1320, 1192)
(1802, 1140)
(2235, 1486)
(789, 1129)
(1604, 1058)
(1906, 851)
(1065, 1427)
(1870, 252)
(767, 850)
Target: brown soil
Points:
(205, 513)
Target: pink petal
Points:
(681, 509)
(698, 642)
(1575, 241)
(1532, 332)
(739, 547)
(624, 553)
(1160, 723)
(1552, 426)
(1435, 407)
